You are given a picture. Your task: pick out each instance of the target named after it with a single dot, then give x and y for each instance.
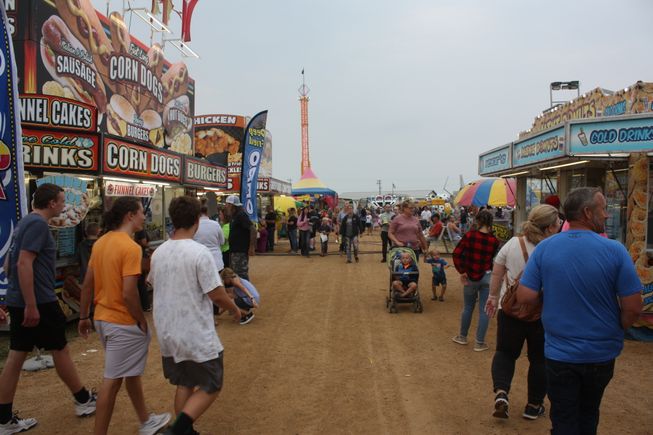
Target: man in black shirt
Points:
(241, 232)
(270, 224)
(292, 230)
(314, 218)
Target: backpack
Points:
(509, 304)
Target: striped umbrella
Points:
(494, 192)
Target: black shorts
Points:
(49, 334)
(439, 280)
(207, 375)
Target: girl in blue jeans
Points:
(475, 291)
(473, 258)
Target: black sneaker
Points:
(244, 320)
(501, 406)
(532, 412)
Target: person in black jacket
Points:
(242, 237)
(349, 231)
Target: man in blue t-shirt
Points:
(36, 317)
(591, 295)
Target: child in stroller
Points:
(404, 276)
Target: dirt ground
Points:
(323, 356)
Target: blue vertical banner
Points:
(12, 179)
(252, 155)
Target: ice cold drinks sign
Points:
(69, 151)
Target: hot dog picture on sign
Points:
(80, 54)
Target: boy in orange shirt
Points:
(113, 272)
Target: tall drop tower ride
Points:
(303, 102)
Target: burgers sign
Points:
(73, 51)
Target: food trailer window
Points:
(170, 193)
(615, 194)
(537, 189)
(154, 215)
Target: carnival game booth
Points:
(309, 188)
(603, 140)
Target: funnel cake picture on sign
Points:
(77, 200)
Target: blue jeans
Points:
(304, 240)
(475, 290)
(351, 244)
(292, 237)
(575, 392)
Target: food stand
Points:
(599, 139)
(103, 115)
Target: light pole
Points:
(563, 86)
(379, 183)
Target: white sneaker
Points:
(17, 424)
(154, 423)
(88, 408)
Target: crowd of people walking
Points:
(569, 296)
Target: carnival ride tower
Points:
(303, 103)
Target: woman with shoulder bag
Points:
(515, 323)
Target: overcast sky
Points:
(409, 92)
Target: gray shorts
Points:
(125, 349)
(207, 375)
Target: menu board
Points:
(71, 50)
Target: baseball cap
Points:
(233, 200)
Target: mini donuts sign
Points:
(123, 158)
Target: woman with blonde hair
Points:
(543, 221)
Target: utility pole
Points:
(379, 183)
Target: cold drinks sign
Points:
(612, 136)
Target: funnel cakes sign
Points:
(126, 159)
(48, 111)
(73, 51)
